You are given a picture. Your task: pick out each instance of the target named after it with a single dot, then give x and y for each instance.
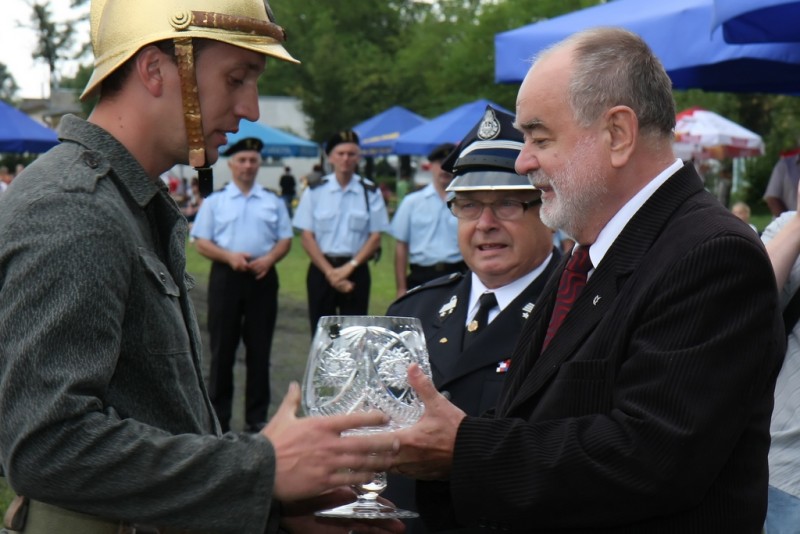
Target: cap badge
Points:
(490, 126)
(448, 308)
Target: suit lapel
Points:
(600, 292)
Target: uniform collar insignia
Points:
(526, 310)
(448, 308)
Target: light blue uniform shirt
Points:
(237, 222)
(338, 217)
(431, 231)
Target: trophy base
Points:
(369, 510)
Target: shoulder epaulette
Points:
(269, 190)
(442, 281)
(369, 185)
(322, 180)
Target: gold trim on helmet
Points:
(206, 19)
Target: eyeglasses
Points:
(506, 209)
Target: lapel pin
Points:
(503, 366)
(473, 325)
(443, 340)
(596, 300)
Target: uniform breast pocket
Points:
(157, 308)
(267, 217)
(324, 222)
(424, 219)
(224, 221)
(358, 221)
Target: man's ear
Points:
(149, 65)
(623, 130)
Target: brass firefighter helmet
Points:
(119, 28)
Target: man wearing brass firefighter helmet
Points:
(106, 422)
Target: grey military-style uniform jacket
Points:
(103, 405)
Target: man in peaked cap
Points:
(245, 230)
(425, 230)
(510, 255)
(106, 422)
(341, 219)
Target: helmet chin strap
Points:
(184, 54)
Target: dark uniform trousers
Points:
(241, 308)
(323, 299)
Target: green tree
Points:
(359, 58)
(346, 49)
(54, 40)
(8, 86)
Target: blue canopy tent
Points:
(19, 133)
(449, 127)
(758, 21)
(678, 31)
(379, 134)
(277, 143)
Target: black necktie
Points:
(481, 319)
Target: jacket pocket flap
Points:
(158, 272)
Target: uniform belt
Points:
(338, 261)
(42, 518)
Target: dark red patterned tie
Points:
(572, 281)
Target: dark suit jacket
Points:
(649, 411)
(473, 378)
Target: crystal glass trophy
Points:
(359, 363)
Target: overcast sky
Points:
(17, 45)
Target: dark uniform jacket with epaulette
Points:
(473, 378)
